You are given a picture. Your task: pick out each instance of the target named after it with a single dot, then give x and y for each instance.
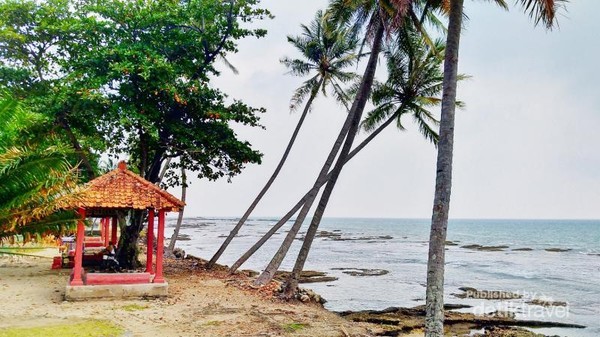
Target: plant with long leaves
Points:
(36, 180)
(327, 49)
(541, 11)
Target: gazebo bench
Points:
(117, 278)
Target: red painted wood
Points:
(160, 245)
(117, 278)
(150, 242)
(114, 230)
(77, 269)
(105, 233)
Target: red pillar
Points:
(160, 245)
(77, 268)
(150, 238)
(105, 232)
(113, 236)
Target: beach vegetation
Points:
(133, 79)
(36, 177)
(293, 327)
(327, 49)
(88, 328)
(541, 11)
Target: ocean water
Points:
(400, 246)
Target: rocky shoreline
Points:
(396, 321)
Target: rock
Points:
(469, 292)
(522, 249)
(451, 243)
(179, 253)
(558, 250)
(547, 303)
(485, 248)
(362, 271)
(307, 276)
(401, 321)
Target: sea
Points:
(396, 251)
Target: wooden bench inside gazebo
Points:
(117, 191)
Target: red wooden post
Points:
(160, 245)
(77, 268)
(105, 232)
(150, 238)
(113, 236)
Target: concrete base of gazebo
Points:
(86, 292)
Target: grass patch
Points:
(134, 307)
(212, 323)
(293, 327)
(91, 328)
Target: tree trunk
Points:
(351, 123)
(77, 147)
(180, 217)
(434, 302)
(264, 190)
(127, 252)
(293, 211)
(359, 105)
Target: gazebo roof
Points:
(123, 189)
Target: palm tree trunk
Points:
(434, 302)
(264, 190)
(359, 105)
(296, 207)
(348, 132)
(180, 217)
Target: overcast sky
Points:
(526, 145)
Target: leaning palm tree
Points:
(378, 16)
(327, 49)
(543, 11)
(413, 87)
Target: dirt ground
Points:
(199, 304)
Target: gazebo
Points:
(103, 197)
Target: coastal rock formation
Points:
(485, 248)
(558, 250)
(399, 321)
(362, 271)
(336, 235)
(306, 276)
(469, 292)
(547, 303)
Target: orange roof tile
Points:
(123, 189)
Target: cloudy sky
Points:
(526, 144)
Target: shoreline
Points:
(202, 303)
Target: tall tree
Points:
(136, 76)
(414, 82)
(377, 16)
(541, 11)
(326, 49)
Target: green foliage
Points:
(293, 327)
(134, 307)
(414, 85)
(34, 177)
(327, 48)
(132, 77)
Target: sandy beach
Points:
(199, 304)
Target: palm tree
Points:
(36, 180)
(327, 49)
(378, 16)
(413, 85)
(541, 11)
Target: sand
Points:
(199, 304)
